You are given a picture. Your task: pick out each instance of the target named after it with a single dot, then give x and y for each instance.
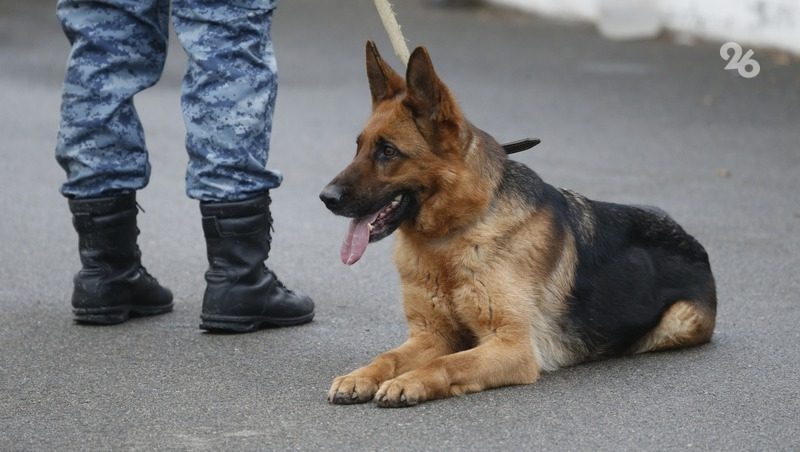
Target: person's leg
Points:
(118, 49)
(228, 101)
(228, 96)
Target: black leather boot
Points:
(242, 294)
(112, 285)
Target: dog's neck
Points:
(486, 157)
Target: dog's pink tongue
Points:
(356, 240)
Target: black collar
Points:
(520, 145)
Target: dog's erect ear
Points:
(426, 96)
(384, 82)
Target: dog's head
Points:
(409, 157)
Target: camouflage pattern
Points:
(228, 96)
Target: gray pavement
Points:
(645, 122)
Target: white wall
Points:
(765, 23)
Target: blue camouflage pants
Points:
(228, 95)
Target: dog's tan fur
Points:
(484, 278)
(685, 323)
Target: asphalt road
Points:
(646, 122)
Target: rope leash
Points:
(393, 30)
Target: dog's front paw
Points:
(400, 392)
(349, 389)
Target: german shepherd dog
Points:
(503, 275)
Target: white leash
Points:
(393, 30)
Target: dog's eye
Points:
(387, 152)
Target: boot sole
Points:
(247, 324)
(116, 314)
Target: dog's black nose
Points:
(332, 195)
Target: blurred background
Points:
(766, 23)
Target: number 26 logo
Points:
(746, 65)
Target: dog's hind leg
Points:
(683, 324)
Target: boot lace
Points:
(279, 283)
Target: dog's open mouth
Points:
(373, 227)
